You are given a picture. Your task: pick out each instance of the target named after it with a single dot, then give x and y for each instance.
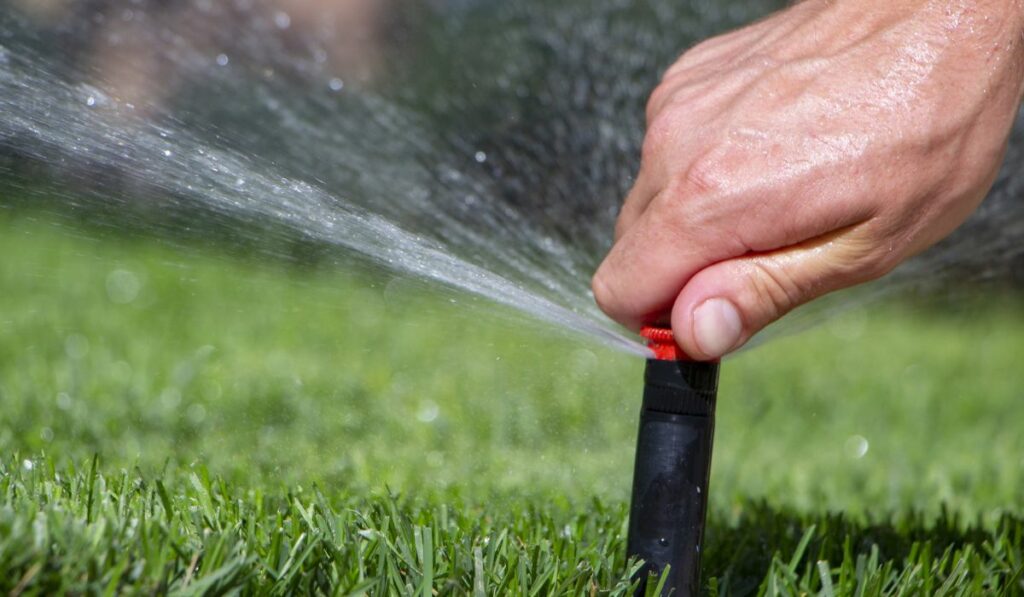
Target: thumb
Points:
(723, 305)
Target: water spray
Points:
(673, 462)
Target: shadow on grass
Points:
(770, 550)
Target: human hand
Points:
(809, 152)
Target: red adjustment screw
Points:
(663, 343)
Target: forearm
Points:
(985, 37)
(915, 54)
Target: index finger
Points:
(647, 268)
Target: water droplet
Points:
(27, 464)
(663, 542)
(123, 286)
(196, 413)
(167, 153)
(93, 96)
(76, 346)
(222, 59)
(584, 362)
(480, 157)
(282, 20)
(856, 446)
(63, 401)
(428, 412)
(170, 398)
(336, 84)
(46, 434)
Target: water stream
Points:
(481, 145)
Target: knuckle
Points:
(702, 47)
(675, 210)
(864, 258)
(659, 98)
(879, 264)
(621, 226)
(604, 296)
(703, 50)
(763, 63)
(774, 290)
(708, 174)
(658, 132)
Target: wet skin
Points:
(809, 152)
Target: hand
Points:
(808, 152)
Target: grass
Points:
(182, 422)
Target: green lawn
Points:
(182, 421)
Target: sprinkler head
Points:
(673, 462)
(662, 342)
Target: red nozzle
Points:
(663, 343)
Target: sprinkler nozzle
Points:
(673, 462)
(663, 343)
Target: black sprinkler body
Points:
(673, 462)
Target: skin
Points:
(809, 152)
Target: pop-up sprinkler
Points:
(673, 461)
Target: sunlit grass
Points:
(283, 406)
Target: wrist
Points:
(978, 37)
(996, 29)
